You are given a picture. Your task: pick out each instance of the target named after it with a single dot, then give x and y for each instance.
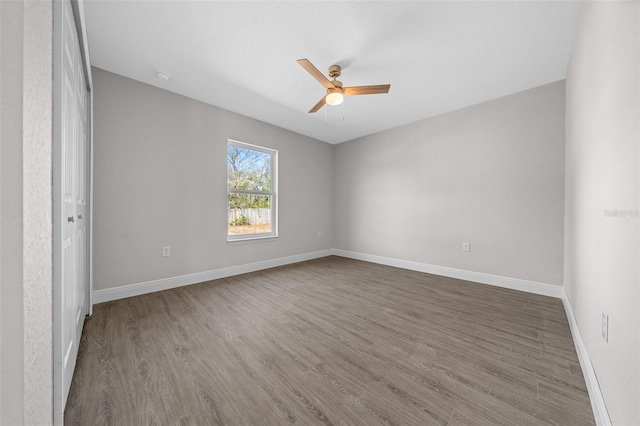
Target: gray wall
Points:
(160, 179)
(26, 87)
(602, 174)
(491, 174)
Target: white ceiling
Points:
(438, 56)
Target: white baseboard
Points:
(130, 290)
(595, 394)
(461, 274)
(107, 295)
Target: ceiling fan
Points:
(335, 91)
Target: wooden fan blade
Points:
(366, 90)
(319, 105)
(315, 73)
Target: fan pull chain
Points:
(325, 116)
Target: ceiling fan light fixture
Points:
(335, 90)
(334, 98)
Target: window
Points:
(251, 192)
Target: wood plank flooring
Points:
(331, 341)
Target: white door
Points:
(71, 178)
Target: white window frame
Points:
(264, 236)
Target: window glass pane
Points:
(249, 214)
(248, 169)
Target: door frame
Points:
(78, 15)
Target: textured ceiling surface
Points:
(438, 56)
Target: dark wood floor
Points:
(329, 341)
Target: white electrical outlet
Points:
(318, 234)
(605, 326)
(166, 251)
(466, 247)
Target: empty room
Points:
(320, 212)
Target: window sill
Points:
(256, 239)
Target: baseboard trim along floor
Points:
(600, 411)
(138, 289)
(461, 274)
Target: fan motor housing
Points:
(334, 71)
